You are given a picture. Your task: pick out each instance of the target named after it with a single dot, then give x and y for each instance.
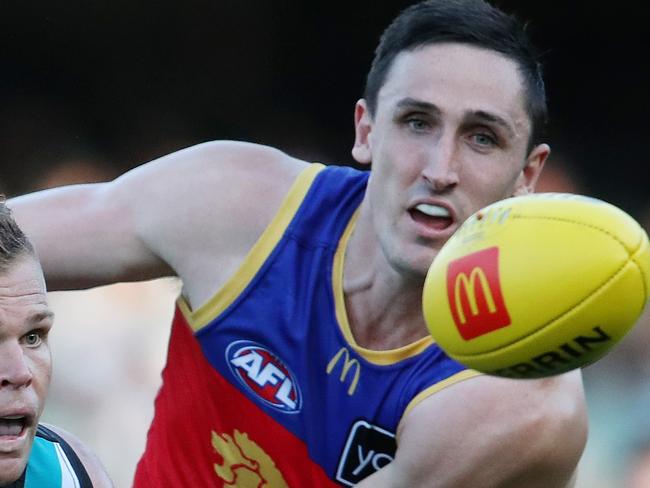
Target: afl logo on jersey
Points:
(265, 375)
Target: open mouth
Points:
(13, 425)
(433, 216)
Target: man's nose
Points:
(441, 171)
(14, 368)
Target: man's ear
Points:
(530, 173)
(362, 131)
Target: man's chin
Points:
(415, 262)
(12, 467)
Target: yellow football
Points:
(538, 285)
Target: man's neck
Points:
(384, 323)
(384, 308)
(19, 483)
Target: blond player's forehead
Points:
(23, 299)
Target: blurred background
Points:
(89, 90)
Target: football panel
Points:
(576, 339)
(580, 209)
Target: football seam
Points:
(591, 226)
(643, 276)
(555, 319)
(631, 253)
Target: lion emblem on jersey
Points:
(245, 464)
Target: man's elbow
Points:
(558, 435)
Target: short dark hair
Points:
(13, 241)
(473, 22)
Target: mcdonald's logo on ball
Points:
(474, 293)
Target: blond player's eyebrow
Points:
(41, 316)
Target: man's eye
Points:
(484, 139)
(417, 124)
(33, 339)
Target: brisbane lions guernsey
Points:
(264, 384)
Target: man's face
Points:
(449, 136)
(25, 362)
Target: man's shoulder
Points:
(525, 428)
(84, 464)
(547, 401)
(208, 205)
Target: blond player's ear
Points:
(362, 130)
(527, 179)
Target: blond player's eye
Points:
(33, 339)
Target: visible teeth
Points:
(11, 426)
(13, 417)
(433, 210)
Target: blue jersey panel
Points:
(281, 343)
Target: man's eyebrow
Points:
(492, 118)
(41, 316)
(415, 104)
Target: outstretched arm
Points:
(199, 208)
(489, 432)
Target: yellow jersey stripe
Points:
(456, 378)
